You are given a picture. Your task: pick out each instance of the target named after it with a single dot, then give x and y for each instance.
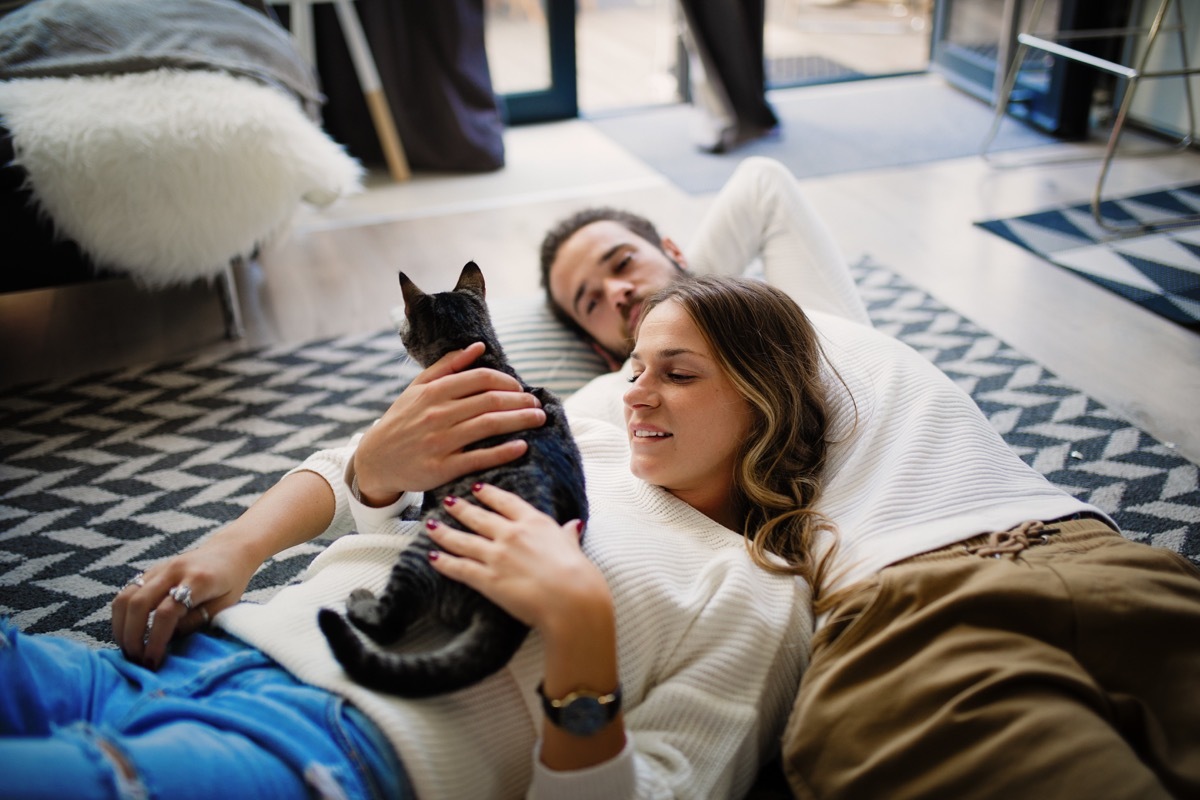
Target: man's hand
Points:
(419, 442)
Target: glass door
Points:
(531, 56)
(827, 41)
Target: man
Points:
(599, 265)
(963, 577)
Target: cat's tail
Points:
(487, 643)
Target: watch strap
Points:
(582, 712)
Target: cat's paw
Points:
(360, 595)
(369, 615)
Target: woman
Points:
(662, 606)
(982, 633)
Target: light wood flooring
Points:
(335, 272)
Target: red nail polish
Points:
(449, 501)
(579, 527)
(433, 555)
(431, 523)
(476, 487)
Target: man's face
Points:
(602, 274)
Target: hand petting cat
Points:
(522, 559)
(418, 442)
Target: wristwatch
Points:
(581, 713)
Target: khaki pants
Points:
(1068, 669)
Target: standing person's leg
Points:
(761, 213)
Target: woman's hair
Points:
(767, 347)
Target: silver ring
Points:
(182, 594)
(136, 580)
(204, 615)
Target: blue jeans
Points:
(218, 719)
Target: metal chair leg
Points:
(1132, 76)
(1123, 113)
(230, 302)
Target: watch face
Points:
(583, 716)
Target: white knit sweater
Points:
(710, 649)
(915, 465)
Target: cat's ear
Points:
(410, 291)
(471, 280)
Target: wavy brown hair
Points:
(768, 348)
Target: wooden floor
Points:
(335, 272)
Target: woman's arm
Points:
(296, 509)
(417, 444)
(534, 568)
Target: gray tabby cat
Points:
(549, 476)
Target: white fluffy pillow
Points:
(168, 175)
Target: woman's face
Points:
(684, 418)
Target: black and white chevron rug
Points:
(103, 477)
(1159, 269)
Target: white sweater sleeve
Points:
(761, 213)
(336, 467)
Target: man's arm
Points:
(761, 213)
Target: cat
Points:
(549, 476)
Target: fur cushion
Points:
(167, 175)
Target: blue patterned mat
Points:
(1159, 271)
(103, 477)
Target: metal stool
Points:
(1132, 75)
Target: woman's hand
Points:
(216, 577)
(419, 442)
(217, 572)
(534, 569)
(519, 558)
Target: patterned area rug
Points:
(103, 477)
(1159, 271)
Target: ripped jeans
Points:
(219, 719)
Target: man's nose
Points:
(617, 290)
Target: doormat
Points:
(1158, 270)
(826, 130)
(788, 71)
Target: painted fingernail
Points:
(579, 527)
(433, 555)
(476, 487)
(431, 524)
(449, 501)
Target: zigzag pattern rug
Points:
(1157, 270)
(103, 477)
